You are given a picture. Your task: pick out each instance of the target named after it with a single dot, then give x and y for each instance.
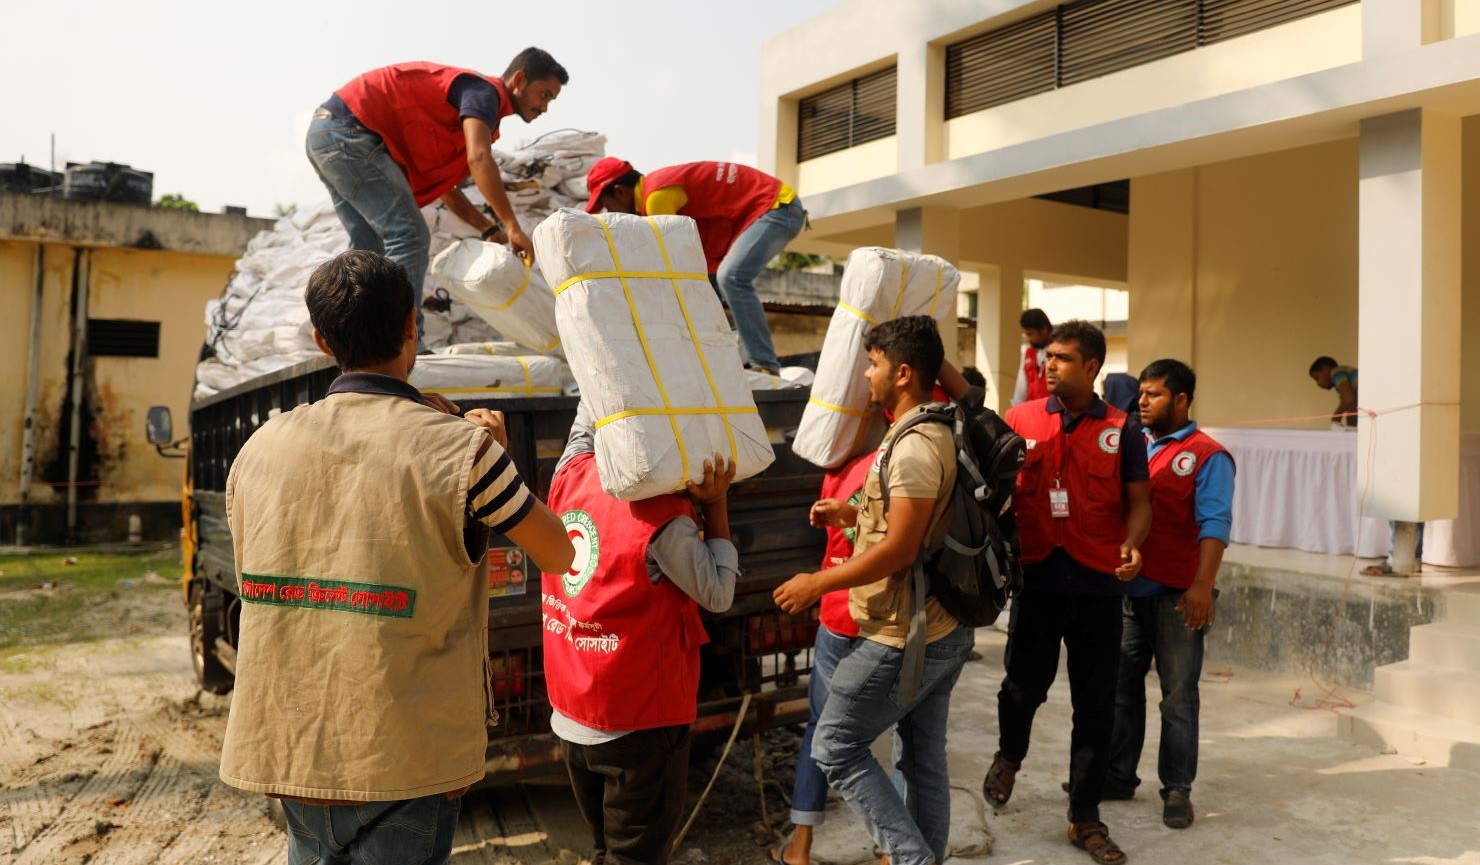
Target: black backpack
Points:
(979, 564)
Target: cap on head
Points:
(602, 175)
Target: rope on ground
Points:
(724, 755)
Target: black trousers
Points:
(1089, 627)
(631, 793)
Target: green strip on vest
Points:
(367, 598)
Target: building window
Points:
(1086, 39)
(113, 337)
(848, 115)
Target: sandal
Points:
(1094, 839)
(997, 786)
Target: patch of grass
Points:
(45, 600)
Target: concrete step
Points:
(1462, 607)
(1440, 741)
(1443, 692)
(1446, 644)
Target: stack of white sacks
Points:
(879, 285)
(260, 324)
(653, 354)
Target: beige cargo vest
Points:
(364, 625)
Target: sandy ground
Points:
(108, 754)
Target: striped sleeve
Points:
(497, 496)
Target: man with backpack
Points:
(1083, 509)
(872, 687)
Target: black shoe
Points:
(1111, 794)
(1177, 812)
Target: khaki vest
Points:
(364, 624)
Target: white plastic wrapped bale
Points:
(651, 350)
(486, 376)
(496, 284)
(878, 285)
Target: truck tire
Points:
(212, 675)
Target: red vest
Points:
(620, 652)
(406, 105)
(1033, 373)
(845, 483)
(1086, 462)
(1170, 552)
(724, 199)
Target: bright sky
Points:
(214, 96)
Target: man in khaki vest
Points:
(358, 523)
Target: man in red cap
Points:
(400, 137)
(746, 217)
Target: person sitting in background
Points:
(1329, 375)
(745, 217)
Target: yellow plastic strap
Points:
(904, 280)
(858, 312)
(837, 408)
(647, 352)
(528, 379)
(619, 273)
(528, 269)
(672, 412)
(694, 337)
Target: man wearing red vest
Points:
(621, 639)
(400, 137)
(1083, 509)
(1169, 607)
(745, 217)
(1030, 382)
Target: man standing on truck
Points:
(905, 355)
(359, 523)
(745, 217)
(621, 638)
(397, 138)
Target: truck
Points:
(754, 648)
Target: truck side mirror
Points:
(159, 426)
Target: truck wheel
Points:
(214, 678)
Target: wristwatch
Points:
(490, 231)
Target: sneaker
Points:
(1177, 812)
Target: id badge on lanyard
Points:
(1058, 501)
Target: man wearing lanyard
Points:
(1169, 607)
(745, 217)
(1083, 509)
(397, 138)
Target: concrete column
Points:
(999, 337)
(1389, 26)
(1409, 322)
(1469, 377)
(933, 231)
(920, 111)
(1162, 268)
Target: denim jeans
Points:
(372, 196)
(404, 832)
(1154, 629)
(748, 256)
(861, 705)
(809, 796)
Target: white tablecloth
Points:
(1298, 489)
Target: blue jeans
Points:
(404, 832)
(861, 705)
(809, 796)
(1154, 630)
(748, 256)
(372, 196)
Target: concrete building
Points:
(105, 319)
(1269, 180)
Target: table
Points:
(1298, 489)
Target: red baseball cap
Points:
(606, 171)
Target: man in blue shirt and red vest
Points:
(621, 639)
(745, 217)
(398, 138)
(1083, 509)
(1169, 607)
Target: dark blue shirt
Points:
(1212, 503)
(1059, 572)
